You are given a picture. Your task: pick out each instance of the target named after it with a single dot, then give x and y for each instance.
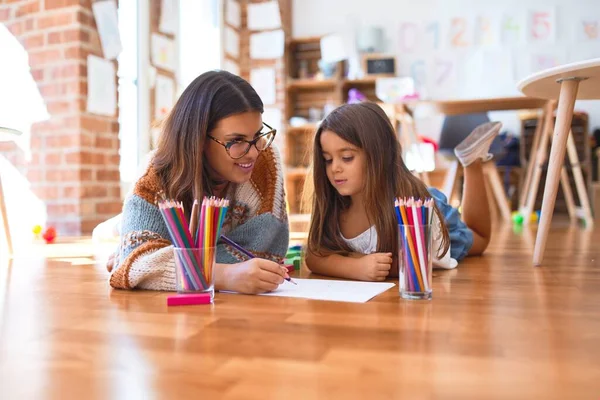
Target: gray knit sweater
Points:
(256, 219)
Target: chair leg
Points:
(579, 182)
(450, 180)
(540, 159)
(5, 220)
(564, 116)
(491, 173)
(566, 185)
(539, 131)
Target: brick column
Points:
(74, 168)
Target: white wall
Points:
(476, 70)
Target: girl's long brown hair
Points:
(179, 160)
(366, 126)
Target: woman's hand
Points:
(254, 276)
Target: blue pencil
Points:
(246, 252)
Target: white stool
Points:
(6, 134)
(567, 83)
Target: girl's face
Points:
(222, 167)
(344, 164)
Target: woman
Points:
(214, 143)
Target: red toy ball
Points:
(49, 234)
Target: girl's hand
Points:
(376, 266)
(256, 275)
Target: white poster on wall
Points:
(333, 48)
(272, 116)
(168, 17)
(487, 30)
(102, 89)
(541, 60)
(105, 14)
(267, 45)
(513, 28)
(541, 25)
(263, 16)
(232, 13)
(164, 96)
(232, 42)
(231, 66)
(263, 81)
(587, 29)
(162, 50)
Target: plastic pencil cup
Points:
(194, 270)
(415, 261)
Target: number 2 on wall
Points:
(458, 29)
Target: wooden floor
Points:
(497, 329)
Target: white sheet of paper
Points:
(168, 17)
(263, 81)
(232, 42)
(320, 289)
(262, 16)
(164, 96)
(163, 52)
(102, 89)
(233, 15)
(266, 45)
(231, 66)
(333, 48)
(105, 14)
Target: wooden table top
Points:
(468, 106)
(544, 83)
(496, 328)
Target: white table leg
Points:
(564, 115)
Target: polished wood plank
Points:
(496, 328)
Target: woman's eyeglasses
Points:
(238, 148)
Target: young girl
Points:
(358, 172)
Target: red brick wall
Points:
(74, 168)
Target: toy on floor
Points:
(294, 256)
(37, 230)
(49, 235)
(518, 218)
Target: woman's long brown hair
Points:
(366, 126)
(179, 160)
